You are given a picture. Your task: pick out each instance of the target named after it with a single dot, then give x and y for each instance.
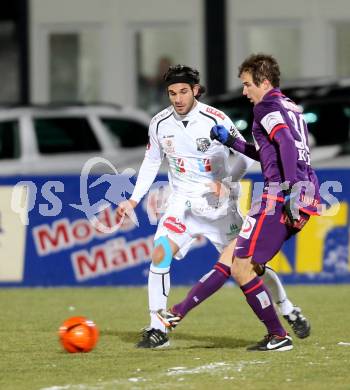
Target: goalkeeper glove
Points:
(221, 134)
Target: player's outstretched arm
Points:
(233, 140)
(149, 167)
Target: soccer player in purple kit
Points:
(290, 195)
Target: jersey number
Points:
(299, 125)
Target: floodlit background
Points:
(79, 82)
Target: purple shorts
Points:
(263, 232)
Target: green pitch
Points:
(207, 349)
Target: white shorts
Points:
(181, 225)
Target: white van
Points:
(60, 139)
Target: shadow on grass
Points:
(206, 341)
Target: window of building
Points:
(342, 36)
(9, 68)
(157, 49)
(283, 42)
(74, 69)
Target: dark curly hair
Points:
(261, 66)
(183, 74)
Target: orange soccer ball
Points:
(78, 334)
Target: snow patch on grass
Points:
(212, 368)
(99, 386)
(137, 379)
(342, 343)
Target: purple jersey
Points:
(281, 138)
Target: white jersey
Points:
(194, 159)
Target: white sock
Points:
(279, 295)
(158, 291)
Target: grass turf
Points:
(207, 349)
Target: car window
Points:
(64, 135)
(9, 140)
(128, 132)
(328, 121)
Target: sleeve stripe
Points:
(275, 129)
(209, 116)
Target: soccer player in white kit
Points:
(204, 192)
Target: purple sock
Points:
(260, 301)
(203, 289)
